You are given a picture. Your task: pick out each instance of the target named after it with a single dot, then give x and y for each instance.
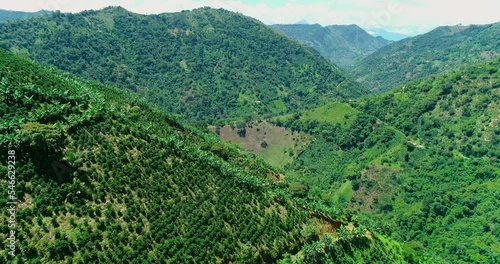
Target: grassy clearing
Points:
(333, 113)
(276, 145)
(343, 194)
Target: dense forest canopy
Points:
(344, 45)
(422, 159)
(443, 49)
(207, 64)
(135, 185)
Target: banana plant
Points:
(17, 94)
(28, 100)
(39, 113)
(29, 86)
(58, 125)
(11, 139)
(4, 89)
(6, 124)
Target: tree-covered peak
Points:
(442, 49)
(344, 45)
(114, 9)
(208, 65)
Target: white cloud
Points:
(394, 15)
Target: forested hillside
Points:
(102, 176)
(344, 45)
(422, 159)
(207, 64)
(8, 15)
(442, 49)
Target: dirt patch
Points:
(275, 177)
(489, 55)
(326, 226)
(276, 145)
(376, 189)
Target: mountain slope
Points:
(423, 160)
(452, 167)
(8, 15)
(206, 64)
(344, 45)
(101, 176)
(442, 49)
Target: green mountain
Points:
(9, 15)
(98, 175)
(423, 160)
(207, 64)
(344, 45)
(442, 49)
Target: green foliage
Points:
(422, 161)
(443, 49)
(351, 246)
(8, 15)
(344, 45)
(145, 187)
(41, 136)
(298, 189)
(208, 65)
(310, 232)
(190, 181)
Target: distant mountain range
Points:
(394, 36)
(344, 45)
(9, 15)
(441, 49)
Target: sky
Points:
(401, 16)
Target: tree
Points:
(310, 232)
(41, 136)
(299, 189)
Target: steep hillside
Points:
(206, 64)
(443, 49)
(344, 45)
(8, 15)
(423, 159)
(96, 175)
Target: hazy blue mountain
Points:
(394, 36)
(344, 45)
(9, 15)
(303, 22)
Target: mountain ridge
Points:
(344, 45)
(210, 52)
(442, 49)
(412, 158)
(11, 15)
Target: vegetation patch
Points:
(276, 145)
